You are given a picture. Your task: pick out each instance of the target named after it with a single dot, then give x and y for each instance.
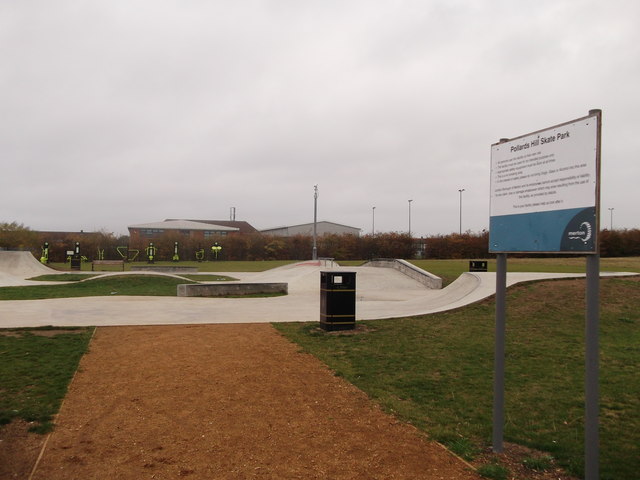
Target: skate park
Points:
(382, 292)
(185, 333)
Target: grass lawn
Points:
(77, 277)
(221, 266)
(146, 285)
(36, 366)
(449, 270)
(436, 371)
(63, 277)
(209, 278)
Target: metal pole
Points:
(410, 217)
(611, 220)
(591, 439)
(461, 190)
(592, 322)
(498, 376)
(373, 220)
(314, 255)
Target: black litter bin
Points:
(337, 300)
(76, 262)
(76, 259)
(478, 266)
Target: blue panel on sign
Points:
(572, 230)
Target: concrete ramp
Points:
(16, 267)
(466, 289)
(22, 264)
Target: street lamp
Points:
(410, 216)
(611, 219)
(373, 220)
(461, 190)
(314, 254)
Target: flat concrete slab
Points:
(231, 289)
(381, 293)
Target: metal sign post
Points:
(500, 337)
(545, 198)
(592, 323)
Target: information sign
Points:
(545, 190)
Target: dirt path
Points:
(225, 401)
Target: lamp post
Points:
(373, 221)
(611, 218)
(461, 190)
(409, 201)
(314, 255)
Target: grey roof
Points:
(242, 226)
(309, 224)
(184, 225)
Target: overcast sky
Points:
(120, 112)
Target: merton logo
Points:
(580, 234)
(583, 233)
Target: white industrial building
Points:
(322, 228)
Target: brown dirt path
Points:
(225, 401)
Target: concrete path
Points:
(381, 293)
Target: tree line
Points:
(257, 246)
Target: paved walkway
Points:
(381, 293)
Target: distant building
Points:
(59, 237)
(322, 228)
(188, 228)
(243, 227)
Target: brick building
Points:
(192, 229)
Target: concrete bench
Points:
(226, 289)
(106, 262)
(327, 261)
